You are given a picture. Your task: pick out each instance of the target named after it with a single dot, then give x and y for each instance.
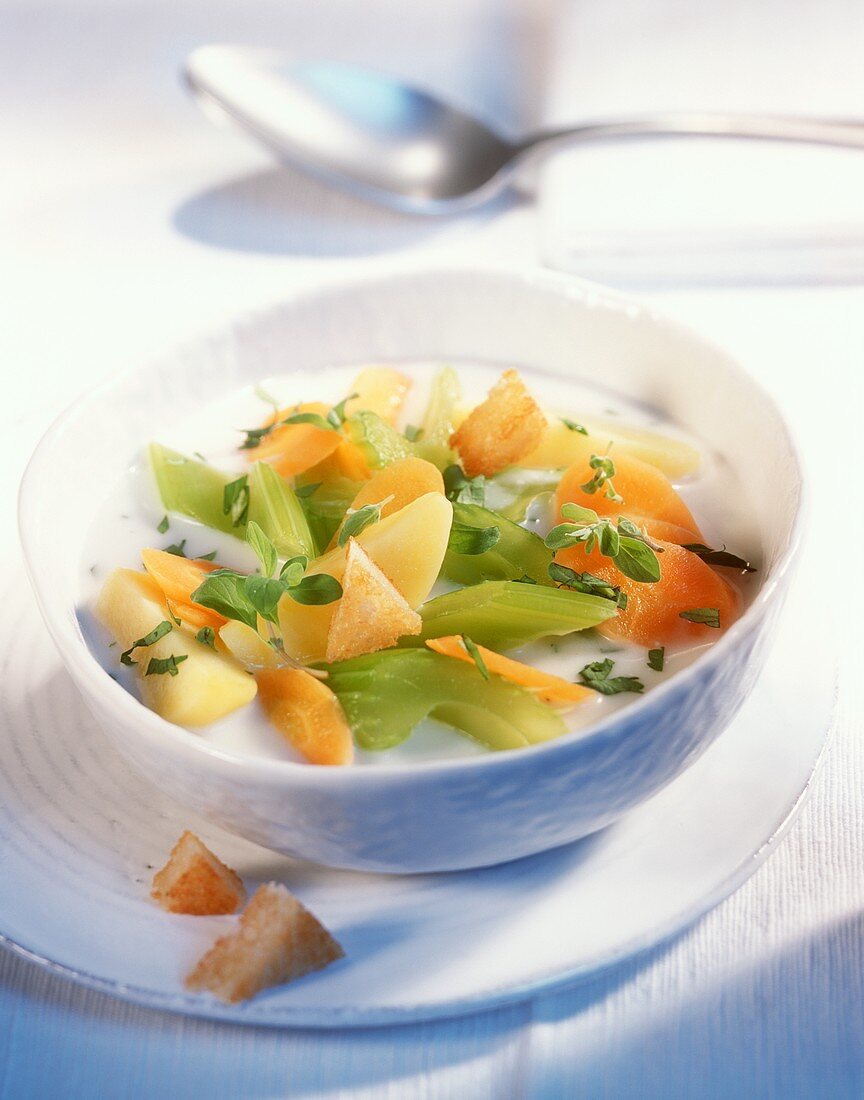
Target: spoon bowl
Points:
(402, 146)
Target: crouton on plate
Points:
(195, 881)
(276, 941)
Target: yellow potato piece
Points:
(560, 446)
(408, 547)
(381, 390)
(247, 646)
(207, 686)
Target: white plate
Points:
(79, 831)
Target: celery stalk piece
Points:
(384, 696)
(438, 420)
(380, 443)
(511, 491)
(505, 614)
(517, 553)
(274, 506)
(192, 488)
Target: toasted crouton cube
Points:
(195, 881)
(276, 941)
(372, 614)
(507, 426)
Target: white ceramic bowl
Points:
(450, 814)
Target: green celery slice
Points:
(511, 491)
(444, 395)
(380, 443)
(192, 488)
(517, 553)
(274, 506)
(505, 614)
(384, 696)
(326, 507)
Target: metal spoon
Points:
(401, 146)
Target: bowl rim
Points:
(84, 666)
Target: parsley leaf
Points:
(476, 656)
(293, 569)
(162, 525)
(178, 549)
(235, 500)
(320, 588)
(149, 639)
(604, 471)
(207, 557)
(206, 636)
(596, 676)
(223, 592)
(264, 549)
(358, 521)
(304, 491)
(719, 557)
(633, 552)
(708, 616)
(468, 540)
(573, 426)
(460, 488)
(412, 433)
(264, 594)
(315, 419)
(336, 416)
(158, 666)
(587, 583)
(656, 658)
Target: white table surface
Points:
(127, 224)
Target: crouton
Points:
(507, 426)
(307, 714)
(372, 614)
(276, 941)
(194, 881)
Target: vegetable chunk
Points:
(276, 941)
(396, 485)
(197, 882)
(503, 429)
(207, 685)
(307, 714)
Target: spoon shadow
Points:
(281, 211)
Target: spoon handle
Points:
(811, 131)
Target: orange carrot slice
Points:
(292, 448)
(402, 481)
(307, 714)
(646, 493)
(178, 578)
(551, 689)
(653, 612)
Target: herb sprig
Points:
(149, 639)
(587, 583)
(332, 422)
(358, 521)
(573, 426)
(604, 471)
(633, 552)
(460, 488)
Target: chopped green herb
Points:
(476, 656)
(178, 549)
(207, 557)
(320, 588)
(633, 552)
(358, 521)
(656, 658)
(199, 456)
(149, 639)
(604, 471)
(596, 676)
(460, 488)
(264, 549)
(177, 621)
(336, 416)
(573, 426)
(254, 436)
(707, 616)
(525, 579)
(587, 582)
(264, 594)
(413, 433)
(235, 500)
(304, 491)
(264, 396)
(315, 419)
(158, 666)
(206, 636)
(719, 557)
(162, 525)
(465, 539)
